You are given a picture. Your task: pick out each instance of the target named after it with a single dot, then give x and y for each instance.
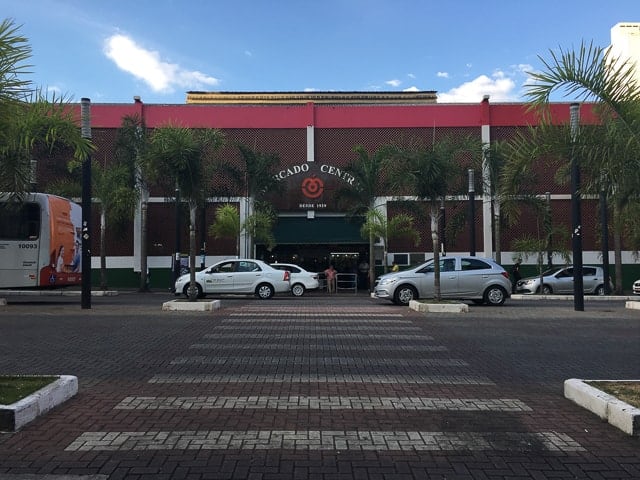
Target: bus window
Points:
(20, 223)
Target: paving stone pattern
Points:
(318, 387)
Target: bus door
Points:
(19, 244)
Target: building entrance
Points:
(316, 258)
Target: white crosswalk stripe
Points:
(323, 403)
(321, 378)
(307, 360)
(306, 440)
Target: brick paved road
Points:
(318, 387)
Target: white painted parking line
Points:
(306, 360)
(306, 440)
(302, 402)
(320, 378)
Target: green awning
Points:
(322, 230)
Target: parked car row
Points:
(480, 280)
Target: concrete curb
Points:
(15, 416)
(185, 306)
(587, 298)
(58, 293)
(438, 307)
(632, 305)
(618, 413)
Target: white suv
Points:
(481, 280)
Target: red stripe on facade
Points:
(331, 116)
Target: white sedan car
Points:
(241, 276)
(301, 280)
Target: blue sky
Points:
(112, 50)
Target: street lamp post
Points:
(85, 131)
(576, 217)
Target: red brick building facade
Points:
(314, 134)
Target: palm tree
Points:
(378, 225)
(117, 198)
(29, 121)
(593, 73)
(429, 172)
(227, 224)
(259, 225)
(259, 182)
(182, 158)
(131, 144)
(361, 197)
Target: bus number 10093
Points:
(27, 245)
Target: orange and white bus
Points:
(40, 242)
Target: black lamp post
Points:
(85, 131)
(576, 217)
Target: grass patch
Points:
(628, 392)
(14, 388)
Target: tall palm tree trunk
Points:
(193, 292)
(437, 294)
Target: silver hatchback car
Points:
(478, 279)
(560, 280)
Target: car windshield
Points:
(551, 271)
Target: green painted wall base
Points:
(159, 278)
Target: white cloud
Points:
(393, 83)
(499, 87)
(147, 66)
(411, 89)
(442, 75)
(411, 75)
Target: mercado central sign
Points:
(315, 180)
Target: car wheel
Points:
(200, 293)
(404, 294)
(264, 291)
(546, 290)
(298, 290)
(599, 290)
(495, 295)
